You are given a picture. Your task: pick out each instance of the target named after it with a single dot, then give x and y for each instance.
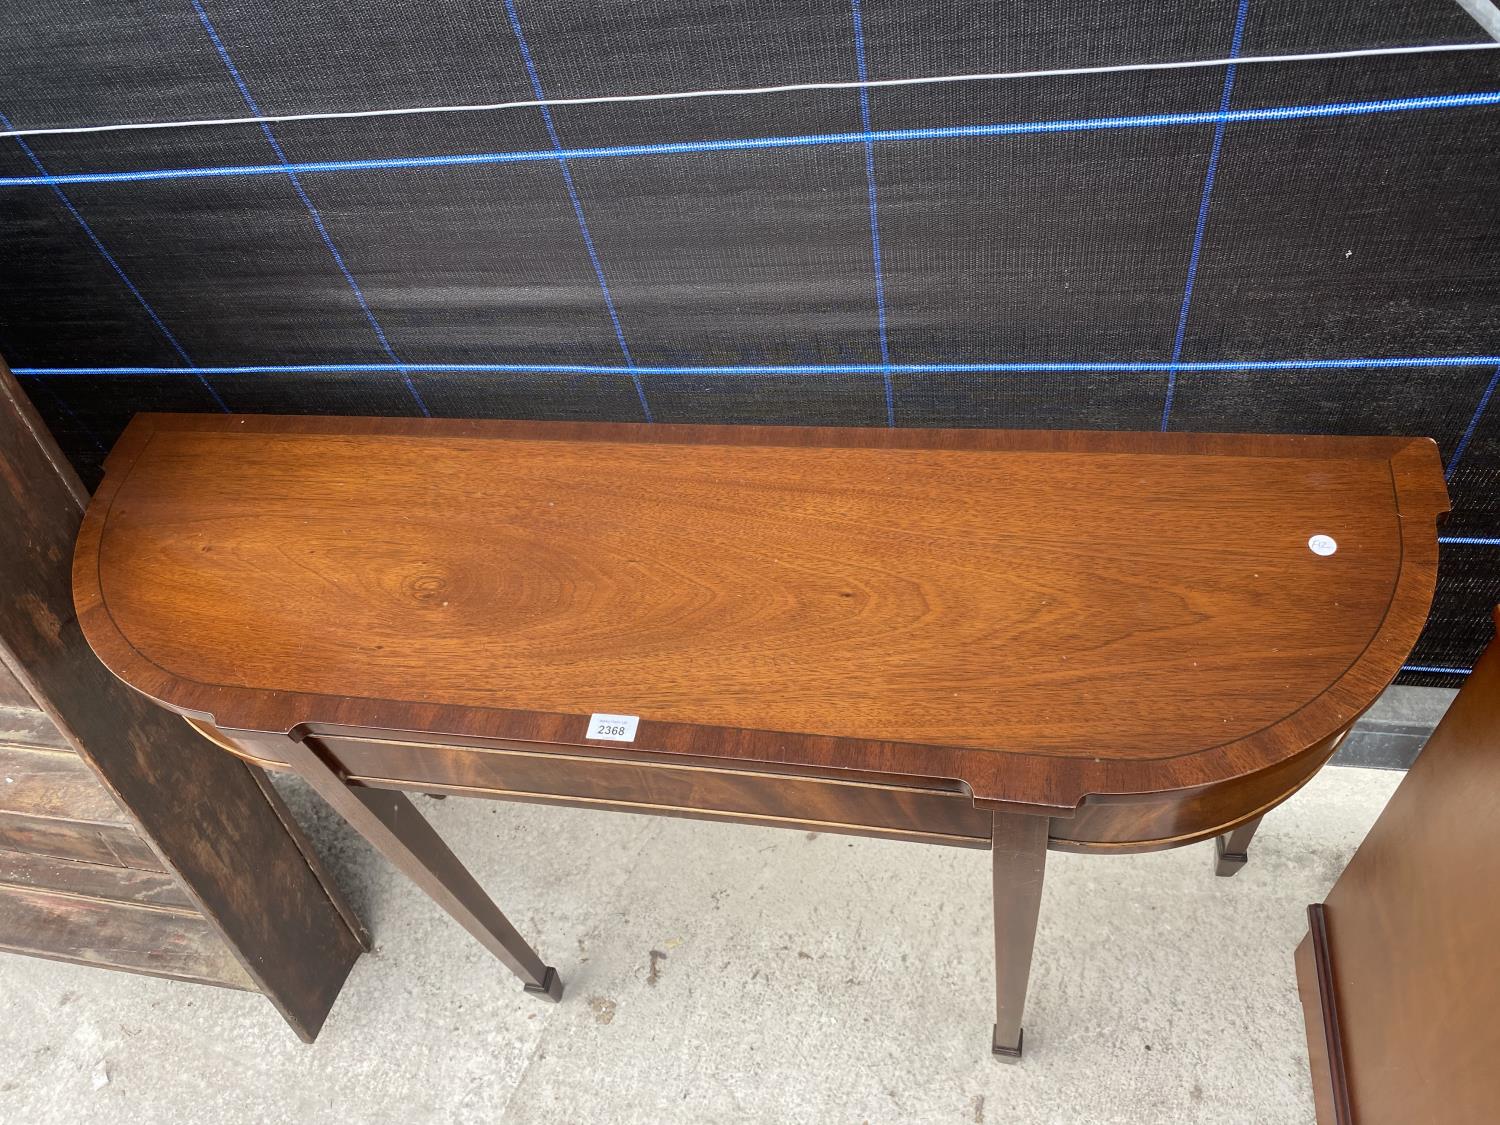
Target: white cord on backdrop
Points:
(272, 119)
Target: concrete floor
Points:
(729, 974)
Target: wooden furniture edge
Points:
(259, 748)
(1423, 1002)
(1320, 1021)
(1054, 783)
(1314, 446)
(1325, 1016)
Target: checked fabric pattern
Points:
(1242, 215)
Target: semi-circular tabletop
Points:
(1040, 616)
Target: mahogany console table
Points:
(1099, 642)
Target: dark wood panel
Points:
(1042, 616)
(278, 805)
(116, 936)
(57, 784)
(29, 726)
(1410, 936)
(110, 844)
(56, 838)
(92, 880)
(12, 694)
(133, 851)
(203, 810)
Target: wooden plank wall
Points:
(127, 840)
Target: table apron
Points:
(864, 805)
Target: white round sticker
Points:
(1322, 545)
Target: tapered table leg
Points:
(1232, 850)
(392, 824)
(1020, 861)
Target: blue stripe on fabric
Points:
(1203, 201)
(880, 136)
(115, 265)
(583, 224)
(864, 119)
(1433, 668)
(790, 369)
(317, 218)
(1469, 540)
(1468, 435)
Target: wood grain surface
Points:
(1040, 616)
(1410, 939)
(28, 726)
(116, 935)
(29, 871)
(12, 694)
(55, 783)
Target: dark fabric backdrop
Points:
(863, 276)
